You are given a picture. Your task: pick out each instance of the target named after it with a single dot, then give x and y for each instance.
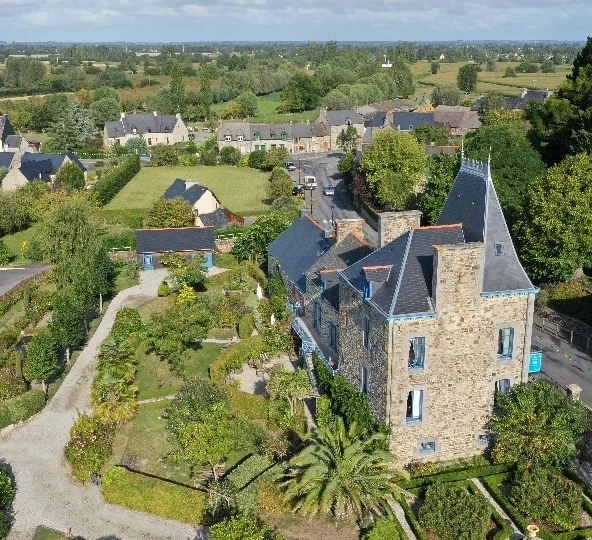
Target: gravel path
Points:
(34, 451)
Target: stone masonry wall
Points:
(352, 354)
(345, 227)
(461, 360)
(392, 225)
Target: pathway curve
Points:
(517, 534)
(46, 494)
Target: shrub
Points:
(11, 383)
(251, 406)
(7, 489)
(235, 356)
(384, 528)
(89, 447)
(244, 528)
(248, 470)
(154, 496)
(19, 408)
(270, 497)
(544, 495)
(226, 260)
(230, 156)
(6, 256)
(418, 469)
(245, 326)
(325, 416)
(164, 289)
(121, 241)
(114, 182)
(455, 514)
(127, 321)
(4, 526)
(257, 159)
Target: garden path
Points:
(517, 534)
(34, 452)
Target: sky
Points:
(299, 20)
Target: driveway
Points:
(34, 452)
(10, 277)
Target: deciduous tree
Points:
(70, 177)
(105, 110)
(280, 184)
(230, 156)
(170, 213)
(42, 361)
(428, 134)
(67, 322)
(442, 170)
(253, 243)
(348, 139)
(446, 94)
(291, 386)
(467, 78)
(247, 101)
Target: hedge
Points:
(106, 189)
(245, 326)
(154, 496)
(412, 520)
(122, 241)
(492, 484)
(235, 356)
(133, 219)
(21, 407)
(455, 476)
(244, 473)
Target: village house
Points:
(154, 128)
(206, 207)
(338, 121)
(431, 325)
(520, 102)
(30, 166)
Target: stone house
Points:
(520, 102)
(338, 121)
(458, 121)
(206, 207)
(152, 244)
(30, 166)
(436, 321)
(154, 128)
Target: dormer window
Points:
(240, 137)
(368, 290)
(284, 136)
(499, 248)
(257, 136)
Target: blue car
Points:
(329, 190)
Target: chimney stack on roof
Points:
(190, 183)
(392, 225)
(345, 227)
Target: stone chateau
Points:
(430, 325)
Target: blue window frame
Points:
(323, 286)
(417, 351)
(505, 343)
(366, 333)
(427, 447)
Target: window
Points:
(417, 353)
(365, 380)
(499, 248)
(135, 130)
(314, 315)
(239, 138)
(368, 290)
(414, 406)
(332, 335)
(149, 141)
(427, 447)
(257, 136)
(228, 137)
(284, 136)
(505, 343)
(410, 127)
(502, 386)
(366, 333)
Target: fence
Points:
(568, 329)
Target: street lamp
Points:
(332, 220)
(312, 203)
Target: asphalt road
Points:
(11, 277)
(326, 208)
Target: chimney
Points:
(323, 113)
(457, 276)
(392, 225)
(190, 183)
(524, 92)
(390, 118)
(345, 227)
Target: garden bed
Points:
(496, 485)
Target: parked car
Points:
(298, 190)
(329, 190)
(290, 166)
(310, 182)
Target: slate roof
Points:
(520, 102)
(6, 158)
(143, 123)
(175, 240)
(474, 202)
(408, 287)
(402, 120)
(266, 131)
(57, 160)
(458, 119)
(38, 170)
(6, 128)
(377, 274)
(373, 126)
(216, 219)
(13, 141)
(179, 189)
(302, 130)
(298, 248)
(340, 118)
(320, 129)
(392, 104)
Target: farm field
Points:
(241, 190)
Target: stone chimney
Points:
(390, 118)
(323, 113)
(524, 92)
(190, 183)
(392, 225)
(345, 227)
(457, 279)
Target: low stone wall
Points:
(225, 245)
(123, 256)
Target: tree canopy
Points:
(348, 139)
(170, 213)
(70, 177)
(467, 78)
(253, 243)
(442, 170)
(446, 94)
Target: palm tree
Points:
(342, 473)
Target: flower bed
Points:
(493, 483)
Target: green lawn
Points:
(241, 190)
(15, 241)
(43, 533)
(267, 106)
(154, 379)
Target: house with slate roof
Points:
(152, 244)
(520, 102)
(338, 121)
(432, 324)
(30, 166)
(154, 128)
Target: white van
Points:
(310, 182)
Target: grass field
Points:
(240, 190)
(15, 241)
(267, 106)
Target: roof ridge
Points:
(400, 278)
(378, 267)
(311, 219)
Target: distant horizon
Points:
(374, 21)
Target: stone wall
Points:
(125, 256)
(345, 227)
(224, 245)
(392, 225)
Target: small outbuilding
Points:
(152, 244)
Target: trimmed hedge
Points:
(412, 520)
(455, 476)
(244, 473)
(106, 189)
(21, 407)
(154, 496)
(245, 326)
(235, 356)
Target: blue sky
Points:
(321, 20)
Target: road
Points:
(11, 277)
(326, 208)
